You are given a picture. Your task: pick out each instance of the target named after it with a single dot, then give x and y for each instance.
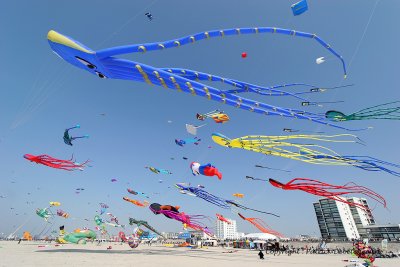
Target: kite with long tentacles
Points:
(145, 224)
(68, 139)
(136, 202)
(330, 191)
(220, 202)
(191, 221)
(222, 218)
(310, 153)
(383, 112)
(68, 165)
(105, 64)
(261, 225)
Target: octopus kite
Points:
(68, 165)
(382, 112)
(222, 218)
(105, 64)
(145, 224)
(261, 225)
(136, 202)
(220, 202)
(68, 139)
(171, 212)
(334, 192)
(310, 153)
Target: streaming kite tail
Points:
(170, 80)
(78, 137)
(240, 87)
(75, 127)
(372, 164)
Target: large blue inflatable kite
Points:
(104, 64)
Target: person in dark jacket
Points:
(261, 254)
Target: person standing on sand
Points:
(261, 254)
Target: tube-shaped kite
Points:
(157, 171)
(182, 142)
(105, 64)
(62, 213)
(136, 202)
(216, 115)
(222, 218)
(133, 192)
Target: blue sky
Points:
(42, 95)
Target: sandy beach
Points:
(30, 254)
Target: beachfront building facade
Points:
(225, 230)
(362, 217)
(337, 220)
(390, 232)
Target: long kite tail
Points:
(382, 111)
(372, 164)
(173, 81)
(241, 87)
(127, 49)
(319, 188)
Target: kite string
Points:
(126, 23)
(364, 33)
